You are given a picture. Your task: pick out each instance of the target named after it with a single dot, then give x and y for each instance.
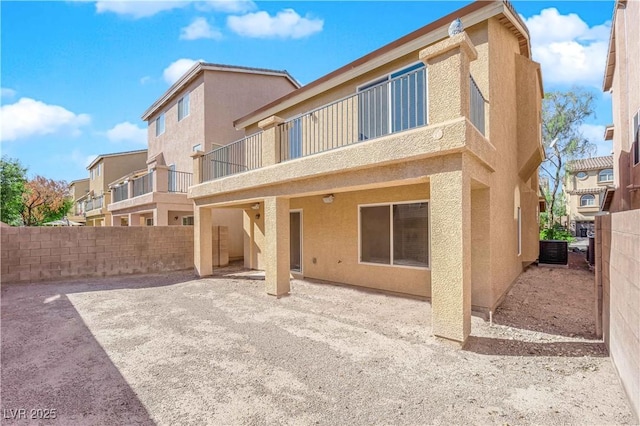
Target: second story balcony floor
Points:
(160, 184)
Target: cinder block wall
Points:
(40, 254)
(618, 272)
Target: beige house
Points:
(103, 170)
(77, 190)
(585, 183)
(617, 254)
(411, 170)
(196, 113)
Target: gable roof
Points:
(595, 163)
(611, 52)
(474, 13)
(114, 154)
(200, 67)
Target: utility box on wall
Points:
(554, 252)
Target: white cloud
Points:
(138, 8)
(177, 68)
(127, 132)
(7, 93)
(146, 79)
(594, 133)
(569, 51)
(286, 24)
(199, 28)
(227, 6)
(29, 117)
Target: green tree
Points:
(12, 181)
(562, 115)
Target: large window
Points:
(183, 107)
(395, 234)
(605, 175)
(160, 124)
(587, 200)
(393, 103)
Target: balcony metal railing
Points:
(476, 107)
(98, 202)
(88, 205)
(179, 181)
(242, 155)
(387, 107)
(121, 192)
(143, 184)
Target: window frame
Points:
(181, 106)
(603, 180)
(390, 204)
(159, 119)
(593, 197)
(586, 175)
(188, 224)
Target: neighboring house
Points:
(411, 170)
(585, 184)
(77, 191)
(103, 170)
(195, 114)
(617, 254)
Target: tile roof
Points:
(587, 191)
(594, 163)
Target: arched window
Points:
(587, 200)
(605, 175)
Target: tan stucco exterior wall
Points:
(574, 211)
(625, 93)
(618, 278)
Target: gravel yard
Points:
(170, 349)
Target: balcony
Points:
(94, 206)
(159, 185)
(385, 109)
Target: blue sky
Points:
(77, 75)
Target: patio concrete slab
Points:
(171, 349)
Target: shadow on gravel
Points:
(505, 347)
(51, 360)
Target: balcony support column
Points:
(203, 240)
(449, 84)
(160, 179)
(161, 215)
(197, 167)
(270, 140)
(451, 254)
(276, 242)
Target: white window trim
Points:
(605, 180)
(586, 175)
(301, 241)
(186, 96)
(186, 217)
(391, 264)
(588, 205)
(164, 124)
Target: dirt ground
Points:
(170, 349)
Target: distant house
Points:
(194, 114)
(413, 169)
(103, 170)
(77, 190)
(585, 184)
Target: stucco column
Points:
(448, 77)
(134, 219)
(161, 215)
(197, 167)
(129, 188)
(160, 180)
(203, 240)
(276, 259)
(270, 140)
(451, 255)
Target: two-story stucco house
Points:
(103, 170)
(77, 190)
(585, 183)
(196, 113)
(411, 170)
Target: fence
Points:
(393, 105)
(179, 181)
(236, 157)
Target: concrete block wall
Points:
(618, 275)
(41, 254)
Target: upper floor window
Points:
(587, 200)
(197, 147)
(605, 175)
(91, 174)
(98, 167)
(160, 124)
(581, 175)
(183, 107)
